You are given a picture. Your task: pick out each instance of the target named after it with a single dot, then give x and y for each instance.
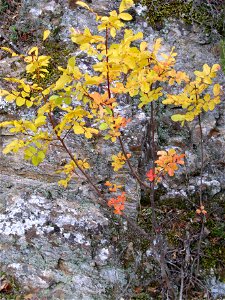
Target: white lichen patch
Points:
(20, 215)
(35, 12)
(80, 239)
(38, 216)
(104, 254)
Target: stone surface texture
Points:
(58, 243)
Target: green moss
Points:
(3, 6)
(190, 12)
(214, 258)
(222, 54)
(142, 296)
(59, 56)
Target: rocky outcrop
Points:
(60, 244)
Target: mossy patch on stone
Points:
(59, 55)
(208, 16)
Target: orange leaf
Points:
(108, 183)
(117, 203)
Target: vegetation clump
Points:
(88, 102)
(208, 14)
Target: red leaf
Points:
(151, 175)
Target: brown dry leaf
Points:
(138, 289)
(5, 287)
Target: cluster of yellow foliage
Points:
(119, 160)
(194, 99)
(127, 67)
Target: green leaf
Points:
(109, 111)
(38, 144)
(67, 100)
(107, 137)
(41, 155)
(103, 126)
(35, 160)
(32, 149)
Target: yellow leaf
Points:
(29, 103)
(86, 165)
(207, 97)
(78, 129)
(206, 69)
(125, 4)
(125, 16)
(26, 88)
(41, 155)
(35, 160)
(9, 50)
(207, 80)
(216, 89)
(215, 68)
(6, 123)
(143, 46)
(10, 97)
(171, 152)
(20, 101)
(198, 73)
(81, 3)
(177, 118)
(71, 63)
(3, 92)
(113, 32)
(30, 126)
(211, 105)
(157, 45)
(88, 134)
(13, 146)
(40, 121)
(63, 183)
(62, 81)
(46, 34)
(33, 50)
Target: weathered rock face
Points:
(58, 243)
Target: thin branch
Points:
(202, 162)
(130, 166)
(152, 192)
(181, 285)
(68, 131)
(200, 196)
